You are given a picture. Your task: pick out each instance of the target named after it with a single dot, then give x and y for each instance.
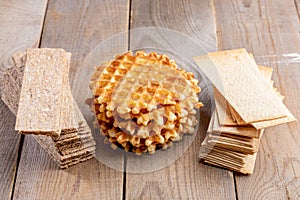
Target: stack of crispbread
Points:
(143, 101)
(46, 106)
(246, 104)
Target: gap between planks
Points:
(23, 136)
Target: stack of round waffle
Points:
(143, 102)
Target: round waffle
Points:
(143, 102)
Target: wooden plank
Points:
(269, 29)
(297, 5)
(185, 178)
(77, 26)
(9, 146)
(185, 17)
(21, 23)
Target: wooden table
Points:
(268, 28)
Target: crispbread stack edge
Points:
(235, 129)
(67, 155)
(235, 70)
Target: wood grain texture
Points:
(297, 5)
(269, 29)
(77, 26)
(185, 178)
(9, 146)
(190, 17)
(21, 25)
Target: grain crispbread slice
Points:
(67, 160)
(13, 77)
(11, 82)
(42, 91)
(67, 118)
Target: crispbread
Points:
(19, 60)
(42, 91)
(49, 146)
(244, 170)
(67, 118)
(234, 70)
(267, 74)
(274, 122)
(11, 82)
(236, 130)
(225, 145)
(223, 112)
(263, 124)
(68, 139)
(234, 144)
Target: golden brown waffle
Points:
(144, 101)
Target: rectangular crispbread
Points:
(222, 109)
(267, 74)
(235, 130)
(61, 148)
(231, 141)
(41, 93)
(67, 118)
(231, 160)
(232, 74)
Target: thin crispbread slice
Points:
(264, 124)
(47, 144)
(235, 119)
(70, 148)
(11, 82)
(231, 73)
(246, 169)
(81, 159)
(236, 130)
(223, 112)
(267, 123)
(85, 129)
(19, 60)
(267, 74)
(235, 145)
(67, 118)
(8, 92)
(87, 146)
(40, 99)
(228, 139)
(65, 136)
(14, 82)
(270, 123)
(210, 125)
(227, 158)
(68, 123)
(227, 155)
